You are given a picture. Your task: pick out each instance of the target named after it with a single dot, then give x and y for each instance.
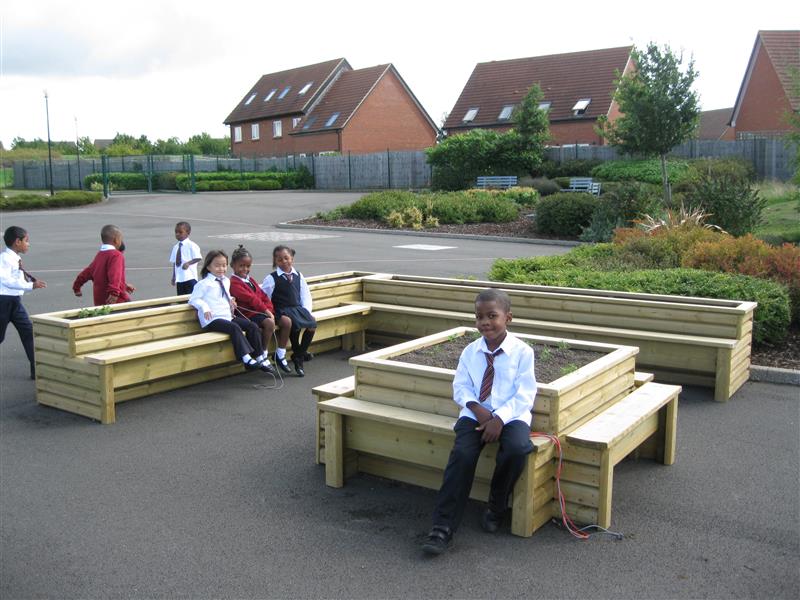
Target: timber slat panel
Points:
(74, 406)
(67, 390)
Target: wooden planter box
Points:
(560, 405)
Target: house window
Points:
(237, 133)
(581, 106)
(332, 119)
(545, 106)
(269, 96)
(295, 121)
(254, 130)
(471, 114)
(284, 92)
(505, 114)
(305, 88)
(250, 99)
(309, 122)
(277, 129)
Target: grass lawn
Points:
(781, 217)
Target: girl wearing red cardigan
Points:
(252, 302)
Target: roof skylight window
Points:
(581, 106)
(332, 119)
(545, 106)
(471, 114)
(309, 122)
(284, 92)
(505, 114)
(305, 88)
(269, 96)
(250, 99)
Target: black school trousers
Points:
(515, 445)
(12, 311)
(245, 335)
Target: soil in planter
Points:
(551, 362)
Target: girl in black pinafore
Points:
(288, 290)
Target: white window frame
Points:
(581, 106)
(507, 110)
(470, 115)
(277, 129)
(296, 121)
(250, 99)
(305, 88)
(255, 131)
(545, 105)
(269, 96)
(332, 119)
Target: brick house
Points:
(577, 86)
(766, 94)
(715, 125)
(329, 107)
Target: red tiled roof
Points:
(783, 49)
(564, 79)
(343, 97)
(293, 102)
(713, 123)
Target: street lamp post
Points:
(49, 149)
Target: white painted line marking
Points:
(272, 236)
(430, 247)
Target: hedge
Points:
(120, 181)
(59, 200)
(647, 171)
(565, 213)
(233, 180)
(771, 319)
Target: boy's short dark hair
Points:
(495, 295)
(12, 234)
(185, 225)
(109, 232)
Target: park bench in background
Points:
(496, 181)
(86, 366)
(583, 184)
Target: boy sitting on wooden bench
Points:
(495, 386)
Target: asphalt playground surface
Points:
(212, 491)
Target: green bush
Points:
(565, 214)
(619, 207)
(165, 181)
(524, 196)
(264, 184)
(733, 203)
(576, 167)
(733, 167)
(545, 186)
(234, 180)
(120, 181)
(60, 200)
(771, 318)
(645, 171)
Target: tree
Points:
(531, 122)
(659, 109)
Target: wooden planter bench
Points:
(87, 365)
(696, 341)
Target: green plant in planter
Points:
(567, 369)
(93, 312)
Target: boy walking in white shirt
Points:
(495, 386)
(14, 282)
(184, 258)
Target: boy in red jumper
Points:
(107, 270)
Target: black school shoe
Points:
(282, 364)
(491, 521)
(298, 367)
(438, 541)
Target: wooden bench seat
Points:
(91, 384)
(592, 450)
(413, 446)
(496, 181)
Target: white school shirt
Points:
(268, 285)
(514, 387)
(207, 297)
(189, 251)
(12, 279)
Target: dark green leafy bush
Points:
(165, 181)
(771, 318)
(565, 214)
(733, 203)
(646, 171)
(120, 181)
(619, 207)
(545, 186)
(576, 167)
(60, 200)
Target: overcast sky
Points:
(167, 68)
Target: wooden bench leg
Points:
(605, 491)
(334, 450)
(108, 413)
(722, 378)
(670, 431)
(522, 504)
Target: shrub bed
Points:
(59, 200)
(565, 214)
(248, 180)
(119, 181)
(770, 322)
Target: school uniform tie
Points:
(288, 277)
(488, 375)
(28, 277)
(222, 289)
(178, 258)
